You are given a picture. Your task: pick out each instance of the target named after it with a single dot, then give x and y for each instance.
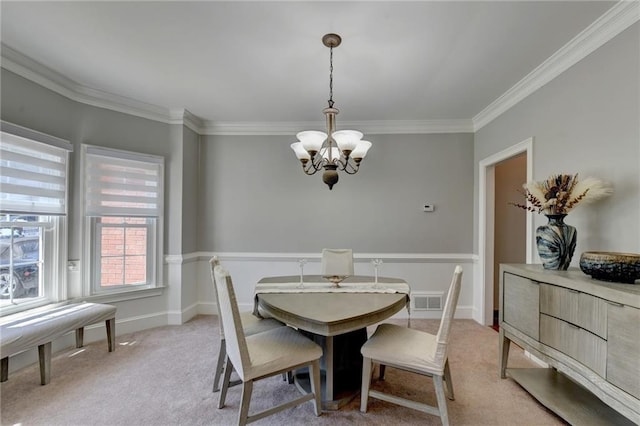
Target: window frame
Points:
(92, 237)
(53, 229)
(97, 225)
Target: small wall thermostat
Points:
(427, 207)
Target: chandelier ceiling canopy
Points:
(335, 150)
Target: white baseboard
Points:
(180, 317)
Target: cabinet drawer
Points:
(521, 304)
(578, 308)
(575, 342)
(623, 357)
(559, 302)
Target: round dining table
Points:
(337, 321)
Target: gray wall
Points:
(190, 185)
(30, 105)
(585, 121)
(255, 197)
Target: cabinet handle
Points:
(573, 326)
(573, 291)
(619, 305)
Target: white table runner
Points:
(317, 284)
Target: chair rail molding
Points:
(424, 272)
(357, 257)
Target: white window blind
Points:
(121, 183)
(33, 172)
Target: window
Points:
(123, 249)
(20, 258)
(33, 208)
(123, 201)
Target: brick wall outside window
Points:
(123, 253)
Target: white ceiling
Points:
(265, 62)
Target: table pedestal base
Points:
(340, 365)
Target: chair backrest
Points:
(337, 262)
(214, 261)
(231, 322)
(442, 338)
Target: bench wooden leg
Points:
(4, 369)
(44, 355)
(111, 333)
(79, 337)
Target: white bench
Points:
(40, 327)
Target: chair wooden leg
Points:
(288, 377)
(447, 379)
(222, 354)
(442, 400)
(245, 400)
(383, 368)
(225, 381)
(366, 382)
(315, 386)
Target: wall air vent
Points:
(427, 301)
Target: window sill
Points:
(122, 295)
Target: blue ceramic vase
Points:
(556, 242)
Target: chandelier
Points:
(334, 151)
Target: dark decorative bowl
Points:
(611, 266)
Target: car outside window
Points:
(20, 262)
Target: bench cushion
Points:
(28, 329)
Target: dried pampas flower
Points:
(560, 193)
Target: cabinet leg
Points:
(505, 343)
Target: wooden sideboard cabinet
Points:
(587, 331)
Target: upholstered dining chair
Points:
(337, 262)
(262, 355)
(414, 351)
(250, 325)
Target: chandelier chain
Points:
(331, 77)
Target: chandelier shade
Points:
(311, 140)
(347, 140)
(301, 153)
(333, 151)
(361, 150)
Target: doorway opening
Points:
(496, 225)
(509, 230)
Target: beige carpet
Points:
(164, 376)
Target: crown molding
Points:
(30, 69)
(379, 127)
(620, 17)
(186, 118)
(624, 14)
